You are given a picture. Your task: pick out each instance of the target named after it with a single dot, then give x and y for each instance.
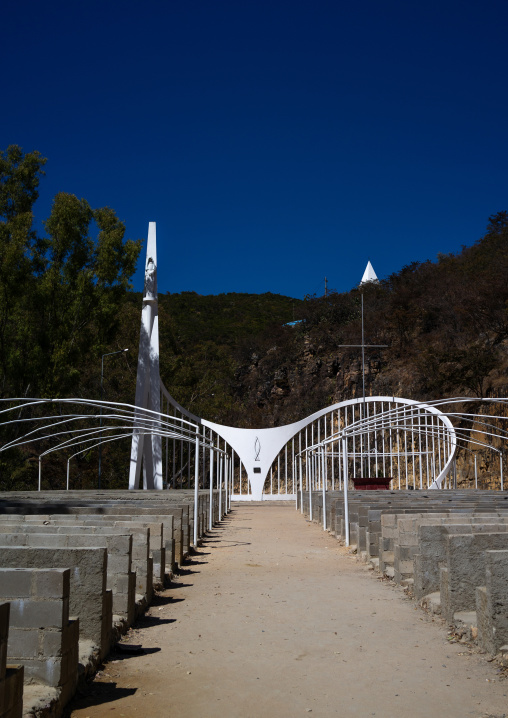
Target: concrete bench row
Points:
(102, 558)
(457, 567)
(361, 502)
(135, 502)
(450, 548)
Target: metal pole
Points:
(324, 488)
(346, 505)
(233, 472)
(286, 469)
(228, 479)
(295, 491)
(363, 358)
(167, 439)
(100, 422)
(196, 489)
(174, 463)
(210, 522)
(68, 474)
(301, 471)
(40, 472)
(475, 473)
(501, 469)
(219, 481)
(203, 457)
(301, 485)
(310, 483)
(181, 464)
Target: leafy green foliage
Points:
(61, 294)
(205, 337)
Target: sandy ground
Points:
(273, 618)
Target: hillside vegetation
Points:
(445, 324)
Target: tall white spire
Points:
(369, 275)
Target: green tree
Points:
(21, 252)
(80, 293)
(61, 297)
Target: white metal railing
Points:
(102, 422)
(439, 436)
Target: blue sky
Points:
(273, 142)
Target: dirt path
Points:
(272, 618)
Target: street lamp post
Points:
(120, 351)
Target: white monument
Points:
(146, 449)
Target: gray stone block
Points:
(431, 554)
(24, 643)
(41, 635)
(119, 548)
(48, 614)
(465, 569)
(492, 602)
(16, 584)
(48, 585)
(88, 598)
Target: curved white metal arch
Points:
(258, 448)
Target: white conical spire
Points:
(369, 275)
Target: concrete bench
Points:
(89, 599)
(492, 603)
(136, 504)
(41, 635)
(147, 542)
(431, 551)
(400, 530)
(162, 545)
(175, 520)
(11, 676)
(407, 501)
(179, 514)
(134, 498)
(118, 562)
(376, 542)
(407, 541)
(464, 570)
(121, 580)
(161, 531)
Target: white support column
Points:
(310, 481)
(148, 380)
(346, 505)
(323, 460)
(212, 459)
(196, 489)
(219, 481)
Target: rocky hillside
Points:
(445, 324)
